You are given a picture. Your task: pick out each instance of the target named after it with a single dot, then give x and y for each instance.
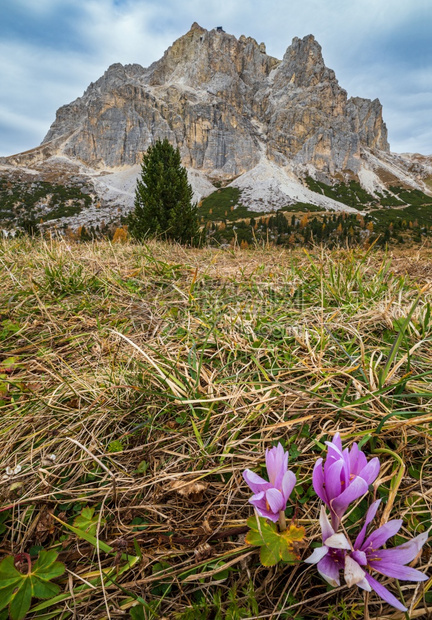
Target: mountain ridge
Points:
(237, 114)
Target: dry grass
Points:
(156, 375)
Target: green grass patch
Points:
(138, 382)
(40, 199)
(419, 215)
(351, 194)
(412, 197)
(224, 204)
(62, 211)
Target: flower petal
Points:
(266, 514)
(259, 503)
(255, 482)
(277, 464)
(364, 585)
(317, 555)
(258, 500)
(380, 536)
(353, 572)
(275, 500)
(326, 528)
(338, 541)
(356, 489)
(359, 557)
(357, 460)
(288, 483)
(332, 480)
(406, 552)
(329, 571)
(346, 475)
(335, 443)
(406, 573)
(371, 471)
(370, 516)
(318, 481)
(384, 593)
(354, 456)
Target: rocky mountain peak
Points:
(198, 56)
(226, 104)
(196, 26)
(303, 65)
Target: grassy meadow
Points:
(137, 382)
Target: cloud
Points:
(33, 87)
(55, 48)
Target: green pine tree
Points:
(163, 198)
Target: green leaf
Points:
(137, 550)
(269, 554)
(87, 522)
(8, 573)
(46, 567)
(162, 588)
(20, 603)
(275, 545)
(159, 567)
(259, 527)
(223, 573)
(35, 550)
(137, 613)
(10, 362)
(6, 595)
(142, 467)
(86, 536)
(17, 589)
(57, 613)
(44, 589)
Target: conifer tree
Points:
(163, 198)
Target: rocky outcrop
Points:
(224, 102)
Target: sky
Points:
(51, 50)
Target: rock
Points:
(221, 100)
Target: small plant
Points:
(270, 500)
(115, 446)
(87, 521)
(20, 581)
(345, 611)
(274, 546)
(62, 280)
(270, 497)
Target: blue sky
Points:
(52, 49)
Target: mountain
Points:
(279, 131)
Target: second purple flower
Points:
(345, 477)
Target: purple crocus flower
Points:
(389, 562)
(330, 558)
(345, 477)
(270, 498)
(366, 555)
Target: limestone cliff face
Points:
(225, 103)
